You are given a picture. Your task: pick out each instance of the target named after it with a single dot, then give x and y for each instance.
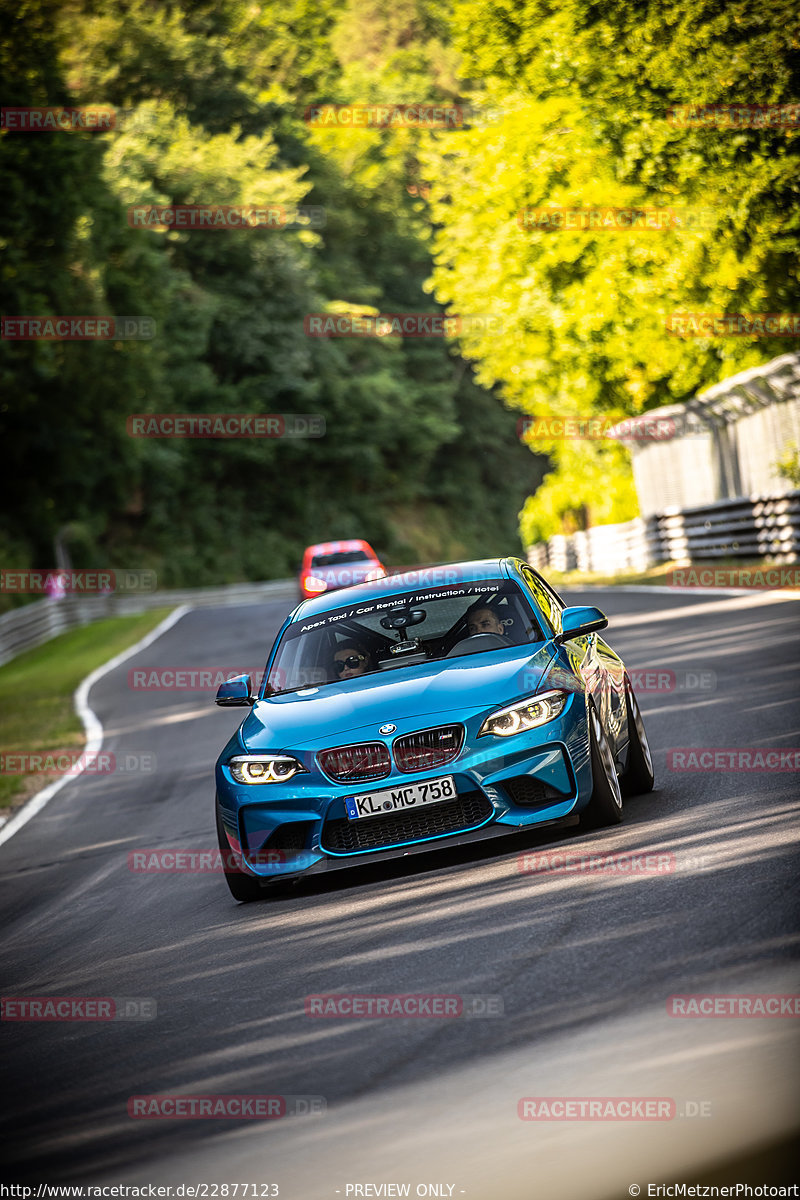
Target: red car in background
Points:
(327, 566)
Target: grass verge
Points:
(37, 714)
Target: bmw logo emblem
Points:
(387, 729)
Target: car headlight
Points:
(312, 584)
(264, 768)
(525, 714)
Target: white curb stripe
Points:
(91, 724)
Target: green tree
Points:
(417, 456)
(584, 94)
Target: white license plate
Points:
(411, 795)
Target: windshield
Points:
(339, 557)
(397, 631)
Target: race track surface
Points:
(582, 964)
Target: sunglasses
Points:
(353, 661)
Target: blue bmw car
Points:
(429, 709)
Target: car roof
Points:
(337, 547)
(409, 580)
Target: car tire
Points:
(605, 806)
(242, 887)
(638, 776)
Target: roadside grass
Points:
(659, 575)
(37, 713)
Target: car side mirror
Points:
(580, 621)
(235, 693)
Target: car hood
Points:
(405, 697)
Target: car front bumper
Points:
(504, 786)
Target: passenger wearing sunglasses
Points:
(349, 660)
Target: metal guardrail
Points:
(25, 628)
(759, 527)
(748, 527)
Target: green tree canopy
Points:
(583, 95)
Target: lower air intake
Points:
(528, 791)
(468, 811)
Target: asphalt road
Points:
(582, 965)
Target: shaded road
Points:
(583, 965)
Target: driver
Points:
(349, 660)
(484, 620)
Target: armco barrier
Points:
(629, 545)
(757, 527)
(24, 628)
(748, 527)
